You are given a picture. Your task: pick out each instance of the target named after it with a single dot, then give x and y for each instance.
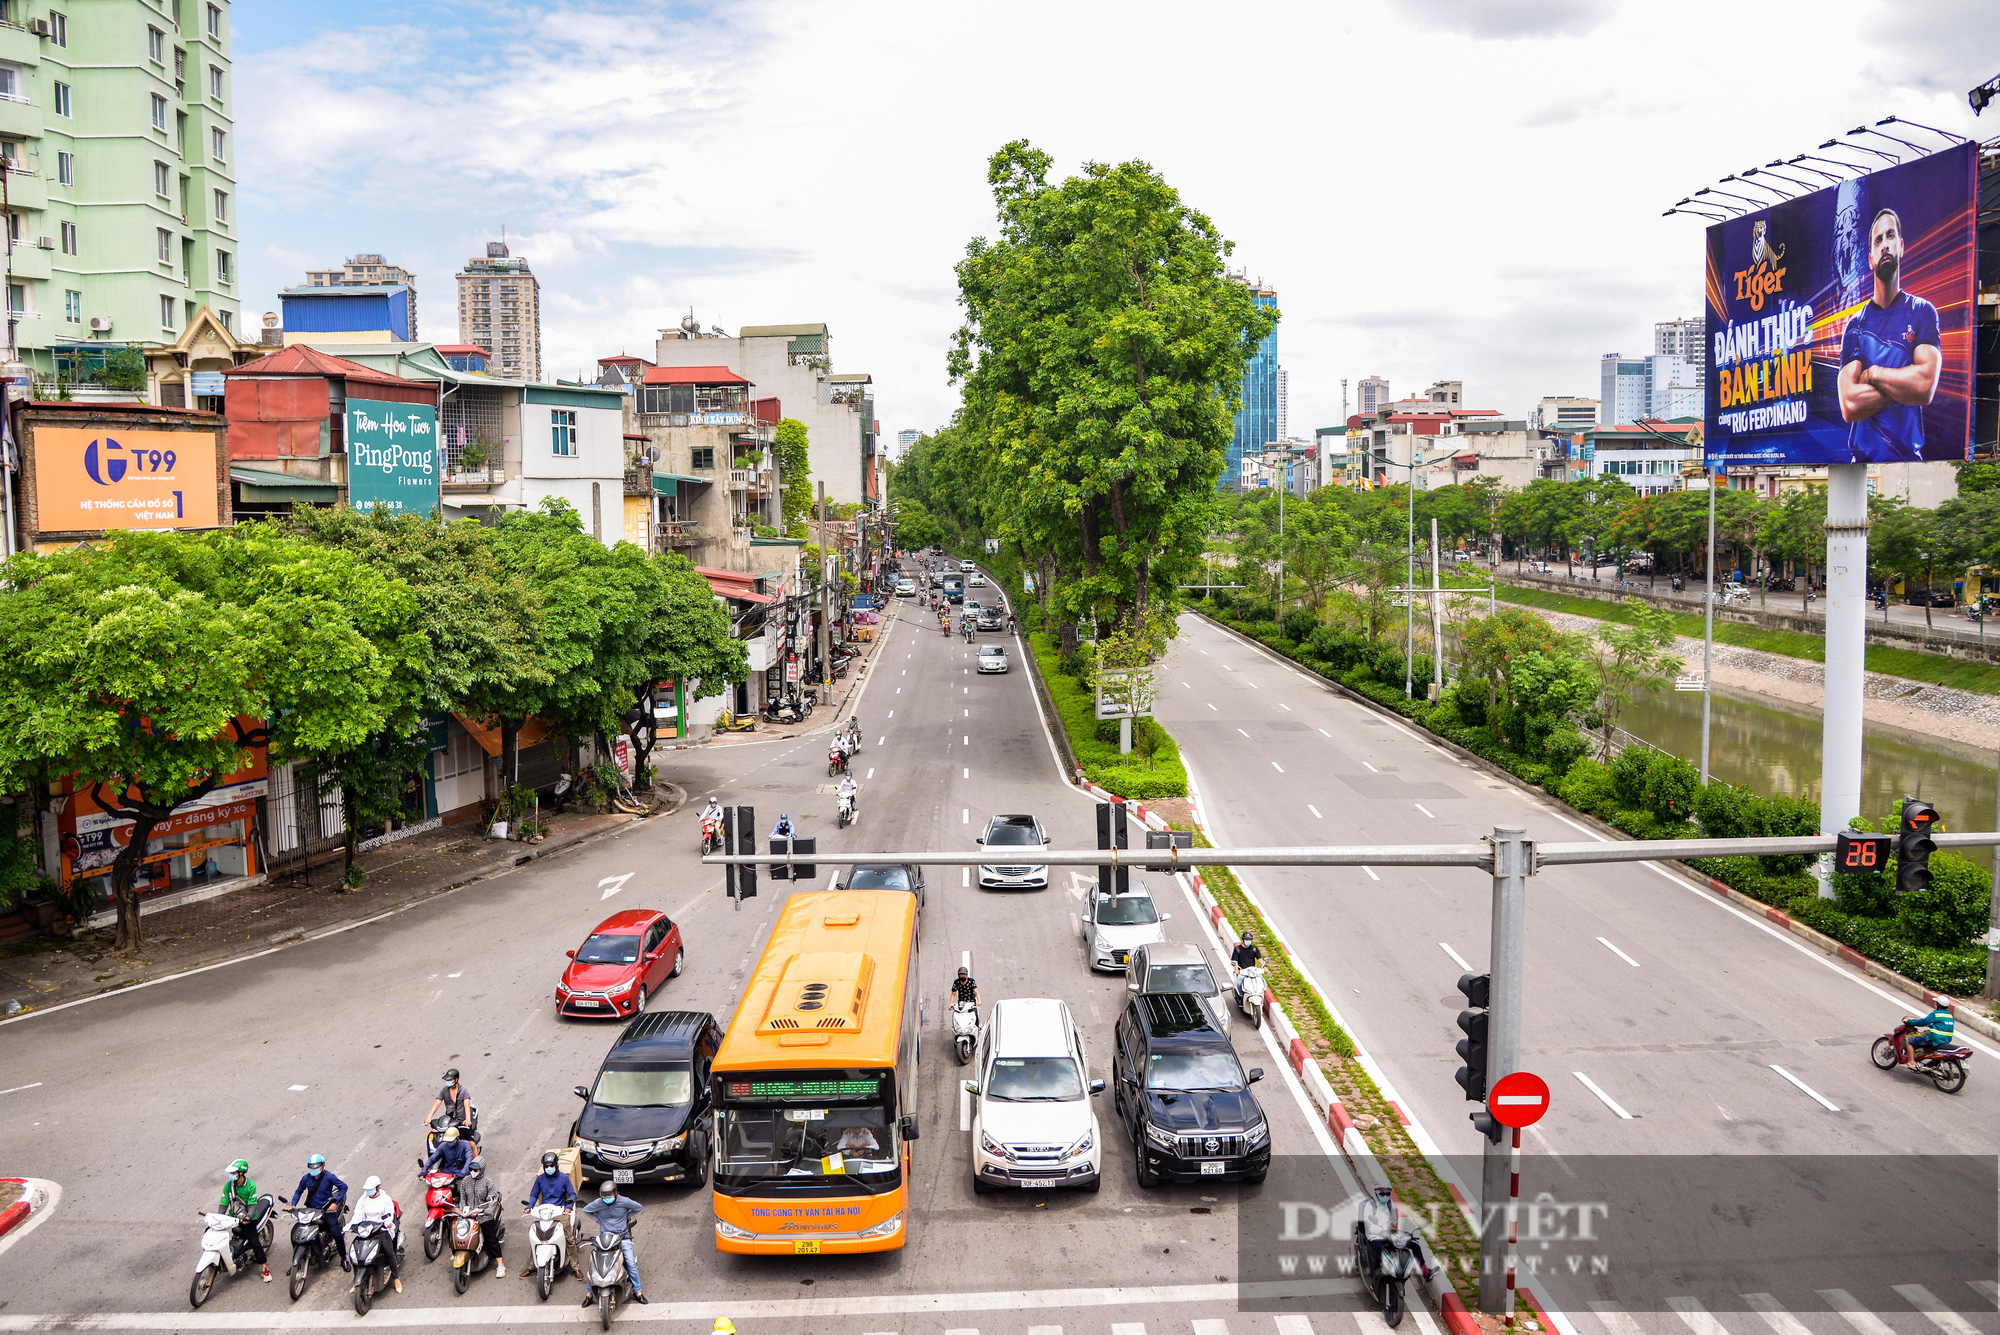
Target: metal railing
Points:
(458, 475)
(678, 532)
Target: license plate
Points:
(623, 1176)
(805, 1248)
(1041, 1181)
(1212, 1168)
(587, 1005)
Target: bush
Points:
(1961, 972)
(1670, 788)
(1587, 786)
(1154, 768)
(1298, 625)
(1954, 910)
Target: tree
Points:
(1903, 541)
(146, 667)
(795, 488)
(1631, 657)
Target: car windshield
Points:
(605, 948)
(657, 1088)
(879, 878)
(805, 1142)
(992, 651)
(1192, 978)
(1194, 1070)
(1034, 1080)
(1126, 911)
(1011, 834)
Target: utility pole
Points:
(1437, 620)
(1846, 649)
(1513, 858)
(1410, 581)
(1992, 989)
(1708, 630)
(1285, 485)
(825, 637)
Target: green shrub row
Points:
(1648, 794)
(1154, 768)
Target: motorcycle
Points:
(468, 1130)
(836, 760)
(224, 1247)
(606, 1273)
(315, 1242)
(549, 1245)
(846, 811)
(1383, 1280)
(368, 1253)
(438, 1200)
(468, 1247)
(964, 1030)
(1945, 1067)
(786, 710)
(731, 721)
(711, 834)
(1251, 998)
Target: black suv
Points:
(1185, 1100)
(647, 1116)
(887, 876)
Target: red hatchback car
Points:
(619, 965)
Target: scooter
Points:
(314, 1243)
(836, 760)
(468, 1130)
(845, 810)
(711, 835)
(1251, 999)
(606, 1274)
(1383, 1281)
(549, 1245)
(438, 1200)
(368, 1253)
(1945, 1067)
(468, 1247)
(224, 1248)
(784, 711)
(964, 1030)
(730, 721)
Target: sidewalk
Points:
(48, 971)
(820, 719)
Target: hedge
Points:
(1129, 776)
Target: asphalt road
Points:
(134, 1102)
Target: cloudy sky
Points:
(1465, 189)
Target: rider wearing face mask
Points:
(377, 1206)
(553, 1187)
(321, 1190)
(476, 1191)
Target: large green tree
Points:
(795, 488)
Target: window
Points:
(215, 82)
(17, 298)
(562, 430)
(704, 456)
(156, 46)
(10, 149)
(215, 20)
(217, 142)
(222, 208)
(225, 267)
(69, 238)
(166, 246)
(59, 28)
(62, 99)
(159, 112)
(13, 87)
(73, 307)
(163, 179)
(14, 226)
(228, 319)
(166, 312)
(66, 168)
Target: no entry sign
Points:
(1519, 1099)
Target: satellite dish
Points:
(690, 325)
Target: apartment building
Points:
(500, 309)
(370, 271)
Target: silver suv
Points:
(1175, 966)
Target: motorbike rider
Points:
(617, 1213)
(451, 1156)
(323, 1191)
(963, 988)
(1920, 1035)
(1244, 956)
(377, 1206)
(455, 1102)
(783, 829)
(239, 1189)
(476, 1191)
(836, 755)
(713, 811)
(553, 1187)
(850, 790)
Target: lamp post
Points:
(1410, 575)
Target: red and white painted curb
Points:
(38, 1199)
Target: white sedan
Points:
(1116, 925)
(992, 658)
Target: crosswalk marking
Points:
(1615, 1320)
(1295, 1325)
(1775, 1316)
(1989, 1287)
(1128, 1328)
(1045, 1330)
(1698, 1318)
(1211, 1328)
(1932, 1306)
(973, 1331)
(1851, 1311)
(1371, 1323)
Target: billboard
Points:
(1840, 322)
(392, 456)
(91, 480)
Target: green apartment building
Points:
(120, 173)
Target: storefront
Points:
(206, 842)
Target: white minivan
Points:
(1032, 1123)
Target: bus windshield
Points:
(788, 1148)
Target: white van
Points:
(1032, 1123)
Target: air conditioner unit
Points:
(100, 324)
(39, 27)
(45, 243)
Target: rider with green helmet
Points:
(238, 1188)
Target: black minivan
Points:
(646, 1117)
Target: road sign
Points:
(1519, 1099)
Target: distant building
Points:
(462, 356)
(351, 314)
(1284, 413)
(369, 271)
(905, 442)
(500, 309)
(1683, 339)
(1374, 396)
(1622, 396)
(1673, 387)
(1257, 419)
(1446, 394)
(1557, 413)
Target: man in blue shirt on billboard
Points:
(1889, 358)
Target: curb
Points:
(36, 1197)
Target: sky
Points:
(1436, 189)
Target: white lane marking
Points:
(1282, 705)
(1371, 873)
(1188, 687)
(965, 876)
(1210, 704)
(1244, 733)
(1045, 1330)
(1251, 684)
(18, 1088)
(1324, 733)
(1946, 1320)
(1136, 1327)
(968, 689)
(964, 1107)
(906, 672)
(298, 1089)
(965, 740)
(1291, 1324)
(899, 690)
(1276, 766)
(968, 713)
(1421, 807)
(611, 885)
(1202, 652)
(1607, 1100)
(968, 772)
(1989, 1287)
(892, 713)
(1851, 1311)
(1315, 811)
(1616, 1321)
(964, 815)
(1211, 1327)
(1809, 1091)
(1698, 1318)
(1456, 958)
(881, 741)
(1370, 768)
(1775, 1316)
(1616, 951)
(871, 772)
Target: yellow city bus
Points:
(815, 1085)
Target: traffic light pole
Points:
(1512, 857)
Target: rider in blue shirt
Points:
(323, 1191)
(1889, 357)
(451, 1156)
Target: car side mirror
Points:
(1046, 841)
(1132, 986)
(570, 953)
(1256, 1074)
(972, 1087)
(1166, 917)
(980, 840)
(907, 1125)
(581, 1092)
(1097, 1086)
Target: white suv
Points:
(1032, 1123)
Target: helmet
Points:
(711, 799)
(315, 1161)
(607, 1188)
(451, 1074)
(964, 972)
(1941, 1001)
(1246, 938)
(549, 1161)
(372, 1185)
(240, 1166)
(723, 1326)
(1383, 1193)
(450, 1133)
(476, 1167)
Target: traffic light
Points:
(1914, 846)
(1112, 833)
(739, 836)
(1477, 988)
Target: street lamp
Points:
(1410, 579)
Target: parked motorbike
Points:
(438, 1200)
(846, 810)
(468, 1247)
(731, 721)
(1383, 1279)
(368, 1253)
(711, 835)
(1945, 1067)
(964, 1030)
(787, 710)
(549, 1245)
(315, 1242)
(1251, 999)
(226, 1248)
(606, 1274)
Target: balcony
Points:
(749, 479)
(639, 481)
(458, 477)
(678, 532)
